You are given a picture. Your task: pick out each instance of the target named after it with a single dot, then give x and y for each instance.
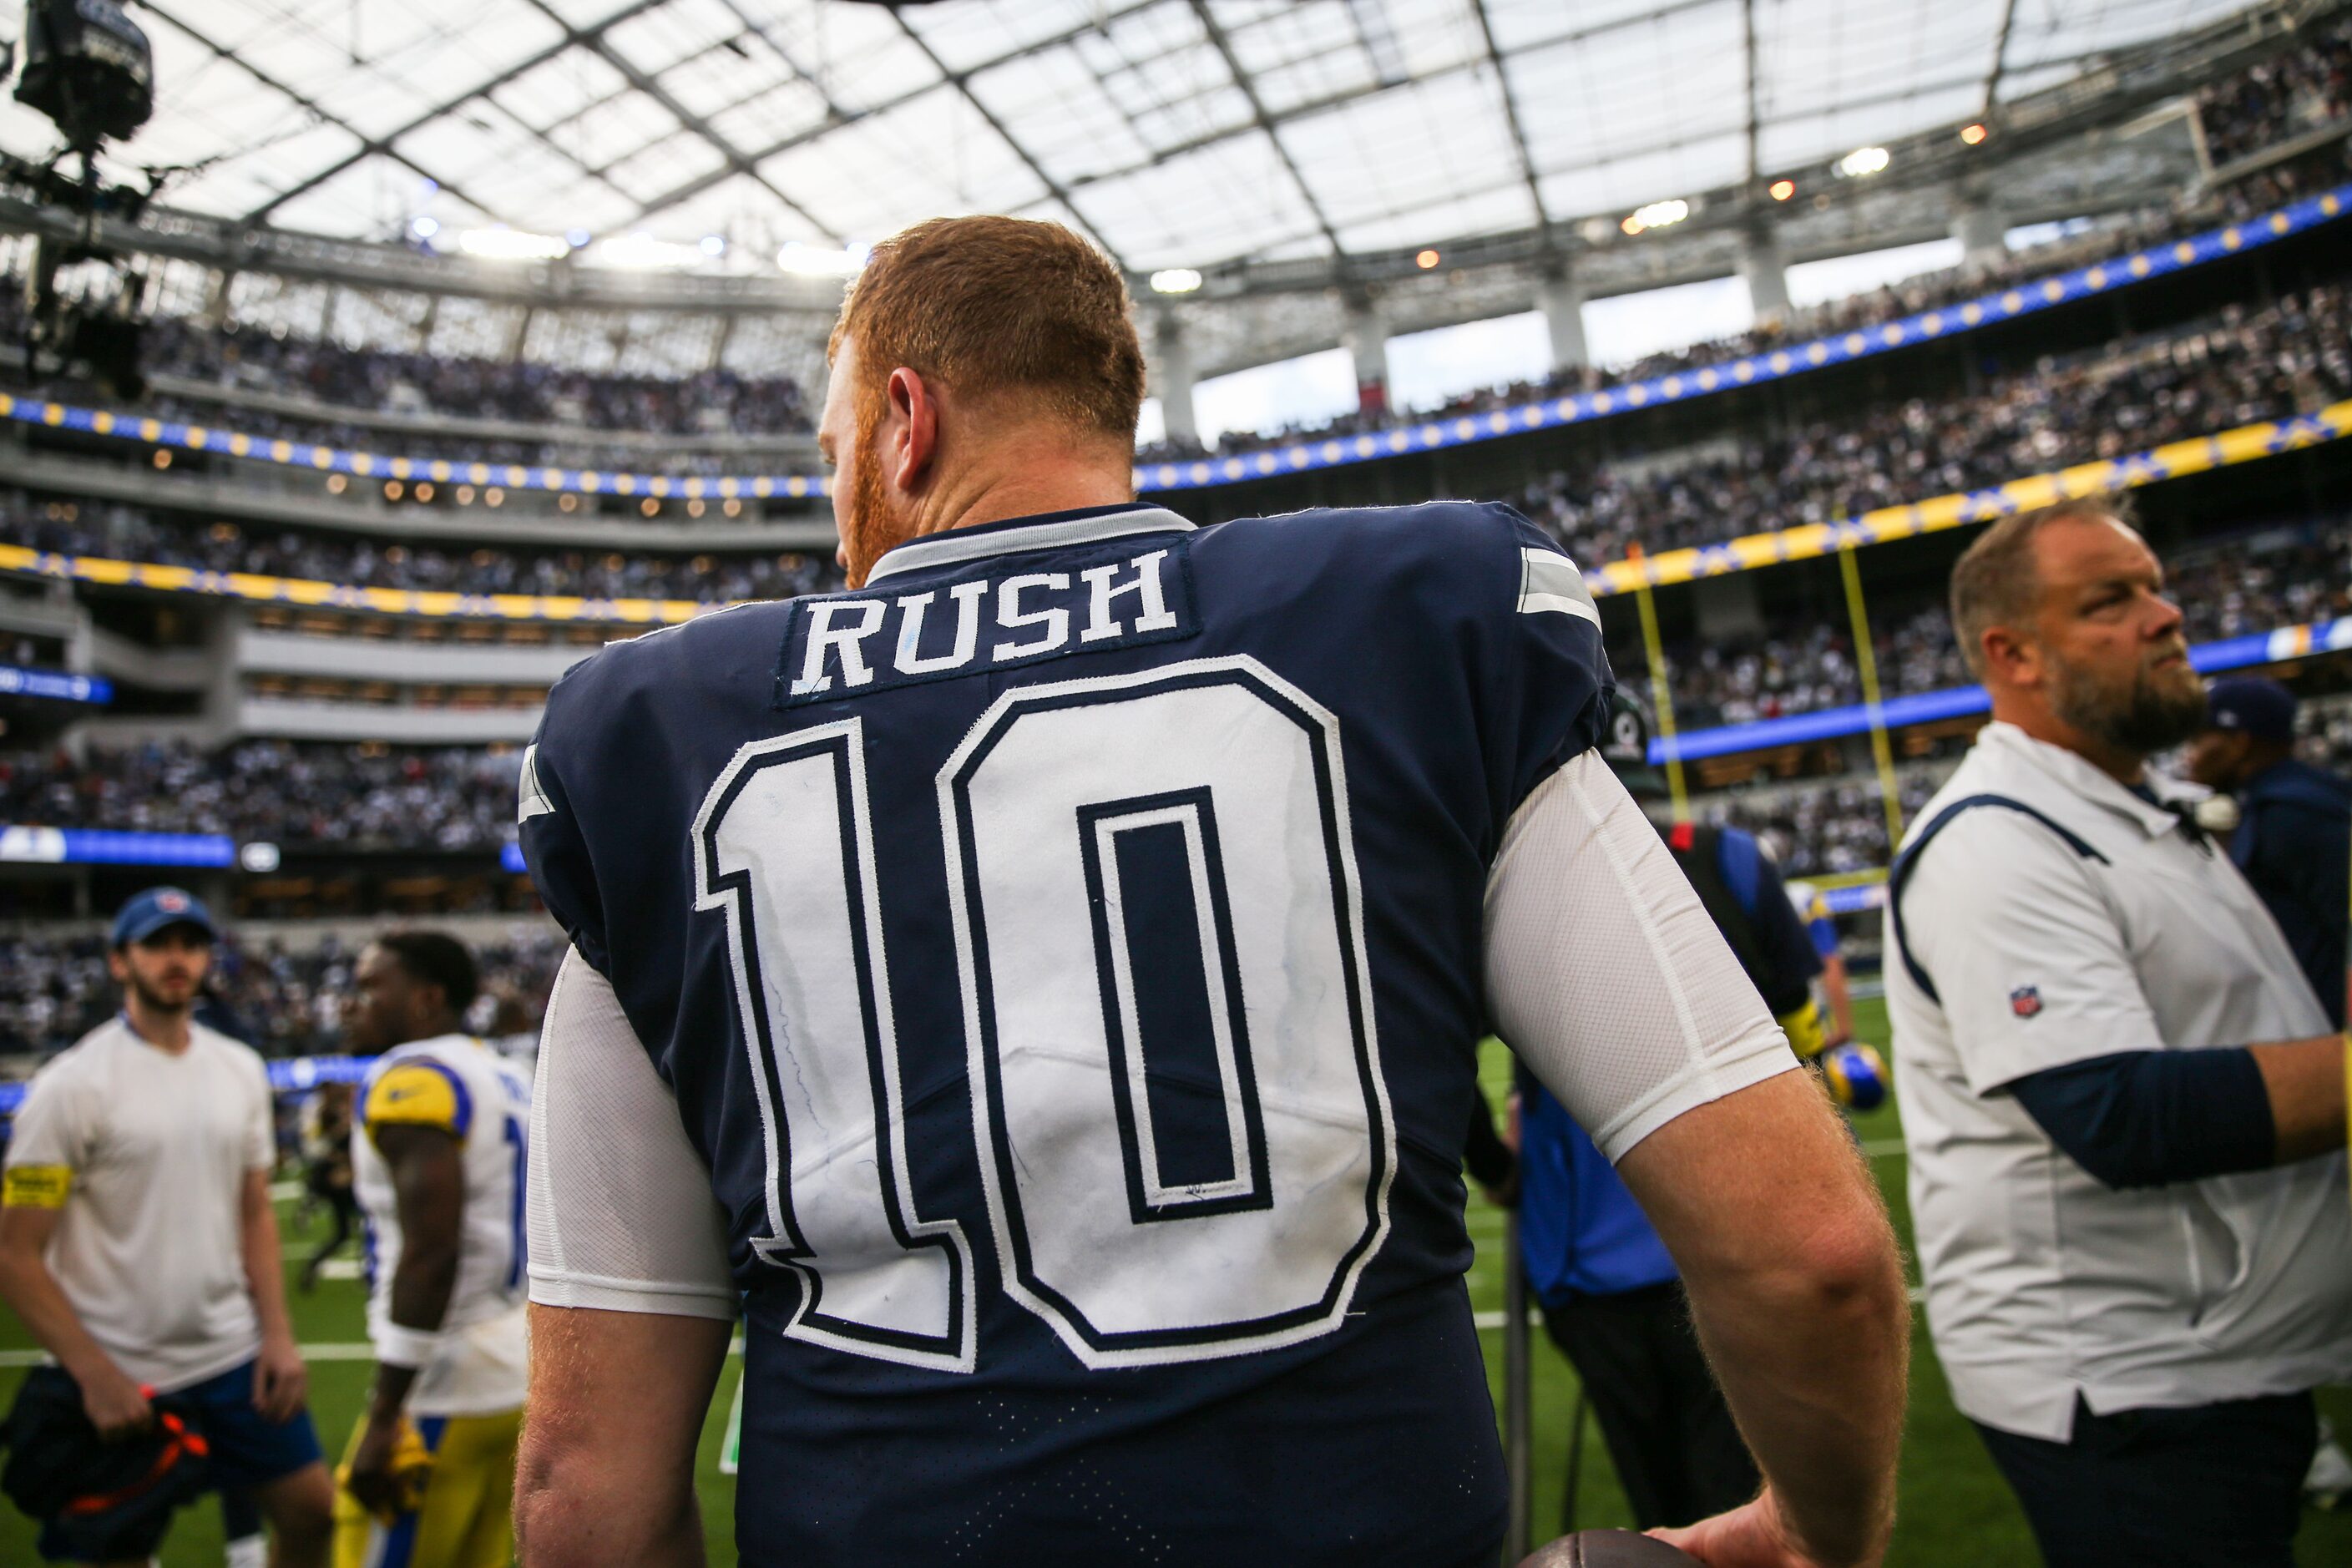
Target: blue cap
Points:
(151, 911)
(2251, 705)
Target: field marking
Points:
(310, 1352)
(1492, 1322)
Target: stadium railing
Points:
(2177, 459)
(33, 844)
(2009, 303)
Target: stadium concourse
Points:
(279, 614)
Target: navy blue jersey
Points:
(1066, 955)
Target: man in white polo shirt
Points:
(2125, 1109)
(138, 1243)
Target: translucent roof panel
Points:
(1174, 131)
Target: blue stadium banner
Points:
(2023, 298)
(26, 846)
(291, 1075)
(58, 685)
(2275, 647)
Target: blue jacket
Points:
(2294, 845)
(1580, 1231)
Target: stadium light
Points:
(426, 227)
(1863, 161)
(642, 252)
(819, 261)
(1781, 190)
(513, 244)
(1657, 214)
(1974, 134)
(1427, 259)
(1175, 281)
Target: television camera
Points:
(89, 67)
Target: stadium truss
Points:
(1299, 156)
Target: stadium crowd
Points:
(2252, 583)
(2244, 366)
(2262, 191)
(252, 357)
(126, 532)
(1839, 826)
(2281, 96)
(459, 798)
(2274, 99)
(361, 797)
(53, 990)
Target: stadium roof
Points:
(1178, 132)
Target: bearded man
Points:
(2124, 1106)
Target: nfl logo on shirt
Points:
(2025, 1001)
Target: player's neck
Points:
(1022, 481)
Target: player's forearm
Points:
(32, 1294)
(1813, 1357)
(421, 1286)
(1841, 996)
(2304, 1080)
(388, 1395)
(607, 1470)
(1797, 1291)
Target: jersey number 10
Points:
(1177, 1107)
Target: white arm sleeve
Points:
(620, 1208)
(1604, 971)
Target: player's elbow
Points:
(1846, 1269)
(573, 1509)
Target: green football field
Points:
(1955, 1509)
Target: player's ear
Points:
(911, 433)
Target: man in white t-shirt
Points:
(138, 1243)
(2124, 1107)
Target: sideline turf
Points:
(1956, 1512)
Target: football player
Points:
(438, 1158)
(1040, 988)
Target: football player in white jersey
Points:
(437, 1157)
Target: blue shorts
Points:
(247, 1450)
(250, 1448)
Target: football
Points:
(1608, 1549)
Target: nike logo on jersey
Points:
(1015, 610)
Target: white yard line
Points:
(1492, 1322)
(310, 1352)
